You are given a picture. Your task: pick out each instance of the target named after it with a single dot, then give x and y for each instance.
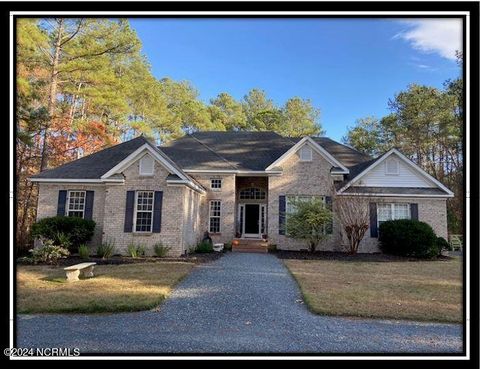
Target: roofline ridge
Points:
(213, 151)
(346, 145)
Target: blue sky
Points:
(348, 68)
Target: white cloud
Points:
(441, 36)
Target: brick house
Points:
(234, 185)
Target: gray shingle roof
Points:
(395, 190)
(95, 165)
(245, 150)
(212, 150)
(227, 150)
(346, 155)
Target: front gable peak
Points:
(304, 149)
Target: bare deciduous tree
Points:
(353, 214)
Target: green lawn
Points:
(115, 288)
(417, 290)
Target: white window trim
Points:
(217, 189)
(143, 211)
(67, 204)
(302, 150)
(397, 162)
(141, 172)
(210, 216)
(392, 209)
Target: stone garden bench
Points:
(74, 271)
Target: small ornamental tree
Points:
(353, 214)
(309, 222)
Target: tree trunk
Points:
(52, 97)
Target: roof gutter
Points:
(391, 195)
(182, 182)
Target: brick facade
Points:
(185, 212)
(173, 218)
(300, 178)
(227, 197)
(430, 210)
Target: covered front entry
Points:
(251, 207)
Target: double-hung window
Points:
(76, 204)
(392, 211)
(214, 216)
(144, 211)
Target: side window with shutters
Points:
(75, 203)
(143, 211)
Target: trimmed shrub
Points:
(161, 250)
(227, 246)
(136, 250)
(76, 230)
(106, 249)
(48, 253)
(83, 251)
(442, 244)
(406, 237)
(204, 247)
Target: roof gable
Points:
(406, 177)
(372, 175)
(315, 146)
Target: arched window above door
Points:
(252, 193)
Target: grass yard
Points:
(417, 290)
(115, 288)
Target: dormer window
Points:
(305, 153)
(392, 166)
(146, 166)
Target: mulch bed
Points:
(332, 255)
(117, 259)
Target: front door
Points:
(252, 220)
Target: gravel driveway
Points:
(241, 303)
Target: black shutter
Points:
(157, 212)
(281, 214)
(328, 204)
(373, 220)
(129, 211)
(414, 211)
(89, 204)
(62, 199)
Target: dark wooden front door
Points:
(252, 216)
